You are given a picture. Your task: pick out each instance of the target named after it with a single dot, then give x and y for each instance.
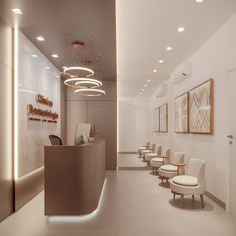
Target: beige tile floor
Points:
(133, 203)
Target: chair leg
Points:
(181, 201)
(193, 197)
(173, 196)
(152, 169)
(162, 179)
(202, 201)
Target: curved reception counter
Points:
(74, 177)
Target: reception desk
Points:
(74, 177)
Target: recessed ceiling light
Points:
(148, 80)
(145, 85)
(154, 70)
(34, 55)
(47, 67)
(199, 0)
(57, 76)
(40, 38)
(17, 11)
(181, 29)
(160, 61)
(143, 89)
(55, 55)
(168, 48)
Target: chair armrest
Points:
(165, 157)
(178, 164)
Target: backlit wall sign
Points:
(42, 115)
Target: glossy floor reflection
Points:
(134, 203)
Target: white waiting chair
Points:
(156, 153)
(148, 151)
(145, 147)
(193, 183)
(157, 162)
(175, 167)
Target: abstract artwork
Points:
(157, 120)
(164, 118)
(201, 108)
(181, 113)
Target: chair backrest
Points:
(159, 147)
(153, 147)
(148, 145)
(178, 157)
(196, 167)
(165, 151)
(55, 140)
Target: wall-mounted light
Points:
(16, 112)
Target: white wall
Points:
(213, 60)
(34, 79)
(133, 123)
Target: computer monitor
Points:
(82, 132)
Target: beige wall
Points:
(6, 111)
(101, 111)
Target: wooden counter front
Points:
(74, 177)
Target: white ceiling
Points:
(146, 27)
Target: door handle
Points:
(230, 136)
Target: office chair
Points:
(55, 140)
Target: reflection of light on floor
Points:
(61, 219)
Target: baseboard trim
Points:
(28, 186)
(127, 152)
(134, 168)
(216, 200)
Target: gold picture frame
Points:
(181, 113)
(156, 119)
(164, 118)
(201, 108)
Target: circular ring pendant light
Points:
(90, 92)
(78, 77)
(82, 82)
(79, 71)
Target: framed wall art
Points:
(164, 118)
(157, 120)
(181, 113)
(201, 104)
